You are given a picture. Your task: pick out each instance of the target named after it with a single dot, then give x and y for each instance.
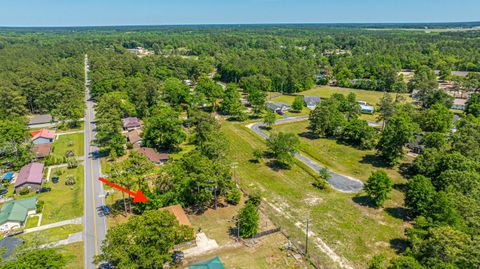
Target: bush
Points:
(69, 154)
(255, 199)
(70, 180)
(72, 163)
(24, 191)
(40, 205)
(234, 196)
(129, 145)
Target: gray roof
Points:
(277, 106)
(311, 100)
(38, 119)
(10, 243)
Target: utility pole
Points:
(306, 240)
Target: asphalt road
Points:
(95, 225)
(337, 181)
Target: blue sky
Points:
(155, 12)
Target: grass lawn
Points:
(74, 254)
(50, 235)
(64, 143)
(31, 222)
(63, 202)
(353, 231)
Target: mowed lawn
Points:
(63, 202)
(354, 231)
(69, 142)
(50, 235)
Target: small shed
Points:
(41, 150)
(179, 213)
(459, 104)
(365, 108)
(214, 263)
(134, 138)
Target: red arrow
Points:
(138, 197)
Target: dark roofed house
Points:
(415, 145)
(30, 176)
(153, 156)
(41, 119)
(131, 123)
(311, 101)
(41, 150)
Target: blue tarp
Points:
(8, 176)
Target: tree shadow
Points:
(406, 170)
(397, 212)
(402, 187)
(309, 135)
(375, 161)
(399, 244)
(364, 200)
(276, 165)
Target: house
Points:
(415, 145)
(278, 107)
(311, 101)
(43, 136)
(131, 123)
(214, 263)
(10, 244)
(30, 176)
(39, 121)
(153, 156)
(179, 213)
(134, 138)
(41, 150)
(8, 176)
(365, 108)
(14, 213)
(459, 104)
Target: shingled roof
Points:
(30, 173)
(17, 210)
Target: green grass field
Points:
(74, 254)
(31, 222)
(354, 231)
(50, 235)
(64, 143)
(63, 202)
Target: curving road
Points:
(337, 181)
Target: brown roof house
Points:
(179, 214)
(30, 176)
(153, 156)
(131, 123)
(41, 150)
(134, 138)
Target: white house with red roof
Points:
(43, 136)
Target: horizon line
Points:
(240, 24)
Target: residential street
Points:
(337, 181)
(95, 226)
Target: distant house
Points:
(14, 213)
(8, 176)
(41, 150)
(415, 145)
(153, 156)
(134, 138)
(30, 176)
(365, 108)
(43, 136)
(311, 101)
(179, 213)
(131, 123)
(278, 107)
(459, 104)
(214, 263)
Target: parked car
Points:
(105, 210)
(55, 179)
(44, 190)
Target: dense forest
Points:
(197, 70)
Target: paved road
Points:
(337, 181)
(95, 226)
